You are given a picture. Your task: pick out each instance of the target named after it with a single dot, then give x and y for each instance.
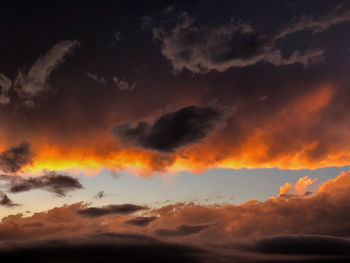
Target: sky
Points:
(175, 131)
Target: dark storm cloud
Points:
(237, 44)
(53, 182)
(303, 244)
(14, 158)
(6, 201)
(101, 252)
(141, 221)
(109, 210)
(183, 230)
(171, 130)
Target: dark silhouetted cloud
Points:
(14, 158)
(6, 201)
(52, 181)
(141, 221)
(171, 130)
(109, 210)
(183, 230)
(100, 195)
(5, 85)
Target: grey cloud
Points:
(100, 195)
(316, 24)
(124, 85)
(14, 158)
(171, 130)
(96, 78)
(237, 44)
(53, 182)
(29, 84)
(109, 210)
(5, 85)
(146, 22)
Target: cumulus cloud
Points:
(5, 85)
(34, 81)
(172, 130)
(237, 44)
(124, 85)
(6, 201)
(52, 181)
(109, 210)
(14, 158)
(141, 220)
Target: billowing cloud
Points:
(110, 210)
(29, 84)
(237, 44)
(141, 220)
(51, 181)
(172, 130)
(14, 158)
(124, 85)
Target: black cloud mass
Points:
(172, 130)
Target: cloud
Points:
(109, 210)
(146, 22)
(101, 251)
(96, 78)
(51, 181)
(183, 230)
(6, 201)
(14, 158)
(303, 245)
(33, 82)
(237, 44)
(172, 130)
(100, 195)
(124, 85)
(5, 85)
(303, 183)
(316, 24)
(141, 220)
(117, 36)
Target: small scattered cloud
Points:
(109, 210)
(14, 158)
(96, 78)
(170, 131)
(99, 195)
(124, 85)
